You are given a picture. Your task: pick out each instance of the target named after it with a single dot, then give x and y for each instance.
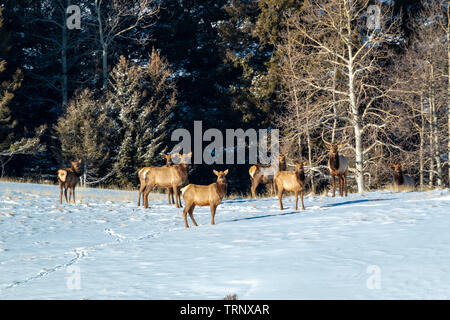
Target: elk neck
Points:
(221, 188)
(398, 177)
(300, 175)
(334, 161)
(78, 172)
(282, 166)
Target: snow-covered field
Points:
(381, 245)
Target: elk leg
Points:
(296, 200)
(255, 183)
(177, 197)
(333, 181)
(70, 194)
(189, 207)
(73, 191)
(185, 211)
(345, 184)
(61, 194)
(141, 191)
(168, 196)
(280, 197)
(213, 213)
(147, 190)
(65, 194)
(191, 214)
(301, 198)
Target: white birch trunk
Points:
(359, 164)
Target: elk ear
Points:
(305, 163)
(216, 173)
(225, 172)
(340, 146)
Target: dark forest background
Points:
(113, 91)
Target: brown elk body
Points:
(291, 181)
(265, 174)
(199, 195)
(173, 177)
(142, 173)
(338, 166)
(401, 180)
(68, 179)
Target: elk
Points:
(143, 172)
(173, 177)
(264, 174)
(291, 181)
(338, 166)
(68, 179)
(199, 195)
(401, 180)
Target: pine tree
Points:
(249, 37)
(10, 143)
(143, 98)
(85, 132)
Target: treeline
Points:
(114, 90)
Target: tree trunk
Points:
(308, 139)
(105, 66)
(64, 59)
(430, 132)
(333, 132)
(359, 164)
(422, 142)
(104, 44)
(435, 130)
(448, 90)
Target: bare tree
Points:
(121, 19)
(441, 12)
(345, 70)
(429, 65)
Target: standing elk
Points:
(291, 181)
(68, 179)
(210, 195)
(173, 177)
(264, 174)
(338, 166)
(401, 180)
(144, 171)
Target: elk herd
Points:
(174, 178)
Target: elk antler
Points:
(326, 142)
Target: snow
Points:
(381, 245)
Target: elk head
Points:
(334, 148)
(398, 167)
(184, 158)
(168, 157)
(221, 176)
(300, 165)
(398, 173)
(77, 165)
